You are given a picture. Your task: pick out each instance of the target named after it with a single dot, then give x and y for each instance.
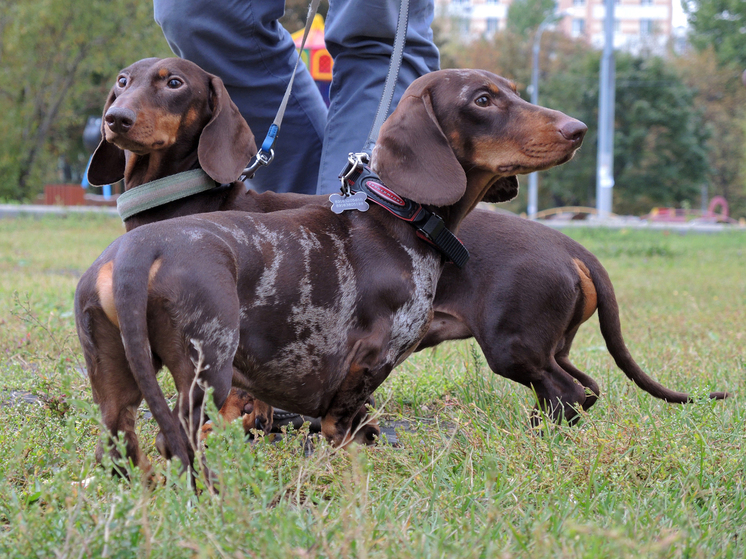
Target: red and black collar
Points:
(358, 177)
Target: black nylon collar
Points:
(430, 226)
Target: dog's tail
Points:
(132, 269)
(611, 329)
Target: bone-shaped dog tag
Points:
(354, 202)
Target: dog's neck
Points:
(478, 183)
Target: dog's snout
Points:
(119, 119)
(573, 130)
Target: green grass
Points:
(636, 478)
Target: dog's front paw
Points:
(260, 418)
(368, 434)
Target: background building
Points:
(640, 24)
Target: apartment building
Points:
(639, 24)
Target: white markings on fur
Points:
(267, 240)
(222, 339)
(211, 332)
(234, 231)
(464, 73)
(194, 235)
(409, 324)
(464, 93)
(320, 330)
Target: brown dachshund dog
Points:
(523, 295)
(306, 309)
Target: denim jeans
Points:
(242, 42)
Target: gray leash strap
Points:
(267, 153)
(391, 78)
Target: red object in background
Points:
(64, 195)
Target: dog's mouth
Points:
(549, 161)
(135, 146)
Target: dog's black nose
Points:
(259, 424)
(573, 130)
(119, 119)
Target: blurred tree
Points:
(660, 153)
(524, 16)
(296, 12)
(720, 25)
(721, 96)
(58, 62)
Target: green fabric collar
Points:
(162, 191)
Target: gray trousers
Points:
(242, 42)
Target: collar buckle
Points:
(356, 162)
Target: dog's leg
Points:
(345, 421)
(192, 375)
(560, 395)
(115, 390)
(563, 360)
(592, 392)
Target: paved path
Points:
(621, 222)
(15, 210)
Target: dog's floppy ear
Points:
(226, 144)
(504, 189)
(414, 158)
(107, 163)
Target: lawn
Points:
(635, 478)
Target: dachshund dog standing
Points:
(306, 309)
(523, 296)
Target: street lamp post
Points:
(606, 96)
(533, 179)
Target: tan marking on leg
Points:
(154, 267)
(105, 288)
(588, 288)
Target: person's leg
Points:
(243, 43)
(360, 36)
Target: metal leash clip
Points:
(262, 159)
(355, 164)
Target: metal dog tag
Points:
(354, 202)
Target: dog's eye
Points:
(121, 81)
(174, 83)
(482, 101)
